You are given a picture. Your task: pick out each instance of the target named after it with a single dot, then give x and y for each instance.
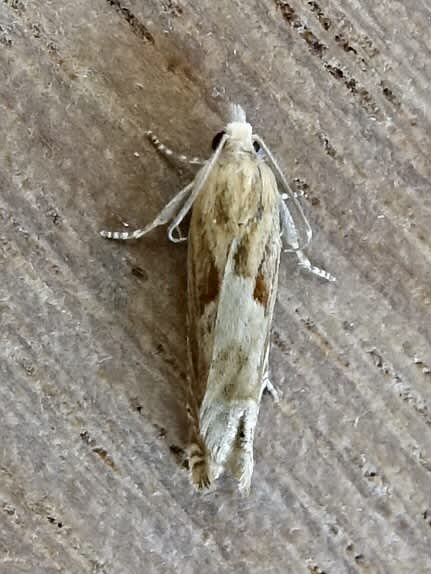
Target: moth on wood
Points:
(238, 222)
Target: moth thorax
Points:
(239, 135)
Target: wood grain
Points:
(92, 344)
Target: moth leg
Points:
(167, 152)
(167, 214)
(197, 455)
(198, 184)
(291, 236)
(266, 380)
(269, 387)
(178, 207)
(288, 193)
(306, 264)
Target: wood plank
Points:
(92, 345)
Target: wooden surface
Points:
(92, 343)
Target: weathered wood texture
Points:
(92, 332)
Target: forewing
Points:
(234, 247)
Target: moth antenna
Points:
(288, 190)
(173, 211)
(237, 113)
(199, 183)
(306, 264)
(171, 154)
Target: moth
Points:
(243, 215)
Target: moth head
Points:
(239, 135)
(238, 131)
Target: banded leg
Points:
(291, 235)
(288, 192)
(198, 184)
(306, 264)
(167, 214)
(169, 153)
(176, 210)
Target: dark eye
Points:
(256, 146)
(217, 139)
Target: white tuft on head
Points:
(237, 114)
(239, 132)
(239, 135)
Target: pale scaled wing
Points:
(234, 250)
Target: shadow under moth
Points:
(240, 221)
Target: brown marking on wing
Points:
(210, 288)
(220, 210)
(242, 256)
(260, 292)
(238, 205)
(233, 389)
(204, 284)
